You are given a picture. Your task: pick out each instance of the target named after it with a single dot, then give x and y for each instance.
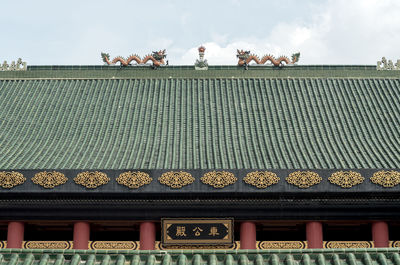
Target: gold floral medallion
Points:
(91, 179)
(346, 179)
(386, 179)
(303, 179)
(134, 180)
(261, 179)
(176, 179)
(218, 179)
(11, 179)
(50, 179)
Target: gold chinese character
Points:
(213, 231)
(197, 231)
(180, 231)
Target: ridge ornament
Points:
(156, 57)
(245, 57)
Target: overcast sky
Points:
(51, 32)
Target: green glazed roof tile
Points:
(154, 121)
(193, 257)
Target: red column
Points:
(248, 235)
(147, 235)
(15, 234)
(380, 234)
(81, 235)
(314, 234)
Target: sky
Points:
(55, 32)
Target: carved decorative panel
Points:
(386, 179)
(346, 179)
(92, 179)
(218, 179)
(134, 180)
(50, 179)
(11, 179)
(303, 179)
(117, 245)
(176, 179)
(282, 245)
(47, 244)
(261, 179)
(348, 244)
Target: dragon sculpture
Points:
(245, 58)
(156, 57)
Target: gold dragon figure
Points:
(245, 58)
(156, 57)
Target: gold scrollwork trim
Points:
(91, 179)
(117, 245)
(218, 179)
(348, 244)
(386, 178)
(50, 179)
(346, 179)
(3, 244)
(394, 244)
(261, 179)
(176, 179)
(282, 245)
(134, 180)
(303, 179)
(11, 179)
(47, 245)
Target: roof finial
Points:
(201, 63)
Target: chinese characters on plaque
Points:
(197, 231)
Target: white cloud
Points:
(340, 32)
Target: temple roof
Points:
(202, 257)
(107, 117)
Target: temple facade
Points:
(168, 158)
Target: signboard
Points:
(197, 231)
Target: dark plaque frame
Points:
(204, 224)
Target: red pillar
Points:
(15, 234)
(380, 234)
(314, 234)
(248, 235)
(81, 235)
(147, 235)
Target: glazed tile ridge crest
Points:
(49, 179)
(218, 179)
(134, 180)
(176, 179)
(91, 179)
(261, 179)
(11, 179)
(303, 179)
(346, 179)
